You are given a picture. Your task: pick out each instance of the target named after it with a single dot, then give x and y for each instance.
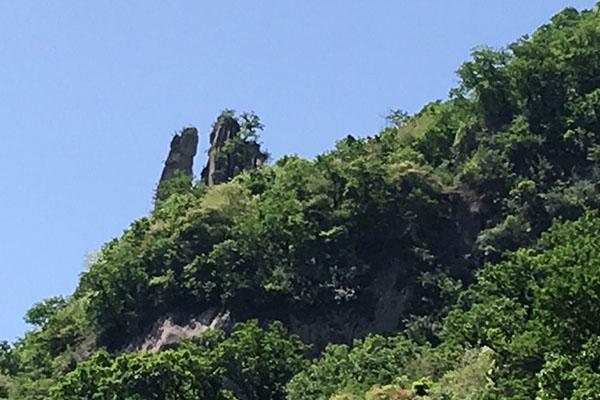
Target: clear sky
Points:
(92, 91)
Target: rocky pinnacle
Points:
(181, 156)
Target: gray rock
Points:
(181, 156)
(170, 329)
(229, 153)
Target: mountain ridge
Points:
(449, 256)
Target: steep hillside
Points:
(527, 327)
(420, 245)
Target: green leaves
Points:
(168, 375)
(464, 183)
(373, 360)
(40, 313)
(251, 363)
(537, 304)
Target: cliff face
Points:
(181, 156)
(230, 152)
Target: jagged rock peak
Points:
(233, 147)
(181, 156)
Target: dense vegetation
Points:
(475, 217)
(528, 326)
(250, 362)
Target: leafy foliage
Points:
(251, 363)
(535, 308)
(466, 184)
(179, 183)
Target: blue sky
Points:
(92, 91)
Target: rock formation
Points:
(233, 149)
(181, 156)
(172, 328)
(230, 152)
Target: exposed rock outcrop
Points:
(230, 152)
(171, 329)
(181, 156)
(345, 324)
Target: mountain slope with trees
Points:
(450, 256)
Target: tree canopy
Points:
(453, 255)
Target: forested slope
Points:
(454, 255)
